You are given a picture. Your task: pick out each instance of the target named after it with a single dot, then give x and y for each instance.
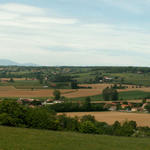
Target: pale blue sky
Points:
(76, 32)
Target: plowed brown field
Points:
(10, 91)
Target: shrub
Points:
(41, 119)
(68, 123)
(88, 118)
(88, 127)
(57, 94)
(12, 114)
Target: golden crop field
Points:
(16, 79)
(111, 117)
(10, 91)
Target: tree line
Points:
(85, 106)
(16, 115)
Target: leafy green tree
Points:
(11, 80)
(12, 114)
(57, 94)
(127, 129)
(114, 94)
(88, 118)
(147, 107)
(106, 94)
(110, 94)
(144, 100)
(88, 127)
(41, 119)
(74, 85)
(39, 77)
(68, 123)
(116, 128)
(87, 104)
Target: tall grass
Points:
(29, 139)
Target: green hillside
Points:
(29, 139)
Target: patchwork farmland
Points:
(96, 89)
(10, 91)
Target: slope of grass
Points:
(133, 78)
(30, 139)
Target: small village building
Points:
(113, 108)
(123, 106)
(134, 109)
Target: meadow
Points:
(31, 139)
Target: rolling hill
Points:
(31, 139)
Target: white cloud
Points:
(21, 8)
(49, 40)
(51, 20)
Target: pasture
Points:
(110, 117)
(31, 139)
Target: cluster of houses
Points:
(126, 107)
(111, 106)
(106, 79)
(36, 102)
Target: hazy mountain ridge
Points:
(7, 62)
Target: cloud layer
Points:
(33, 34)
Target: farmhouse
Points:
(21, 100)
(123, 106)
(113, 108)
(134, 109)
(25, 101)
(107, 78)
(51, 102)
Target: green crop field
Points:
(23, 84)
(129, 95)
(133, 78)
(31, 139)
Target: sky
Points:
(76, 32)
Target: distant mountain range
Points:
(6, 62)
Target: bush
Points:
(103, 128)
(88, 118)
(147, 107)
(41, 119)
(110, 94)
(68, 123)
(57, 94)
(12, 114)
(88, 127)
(127, 129)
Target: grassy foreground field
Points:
(29, 139)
